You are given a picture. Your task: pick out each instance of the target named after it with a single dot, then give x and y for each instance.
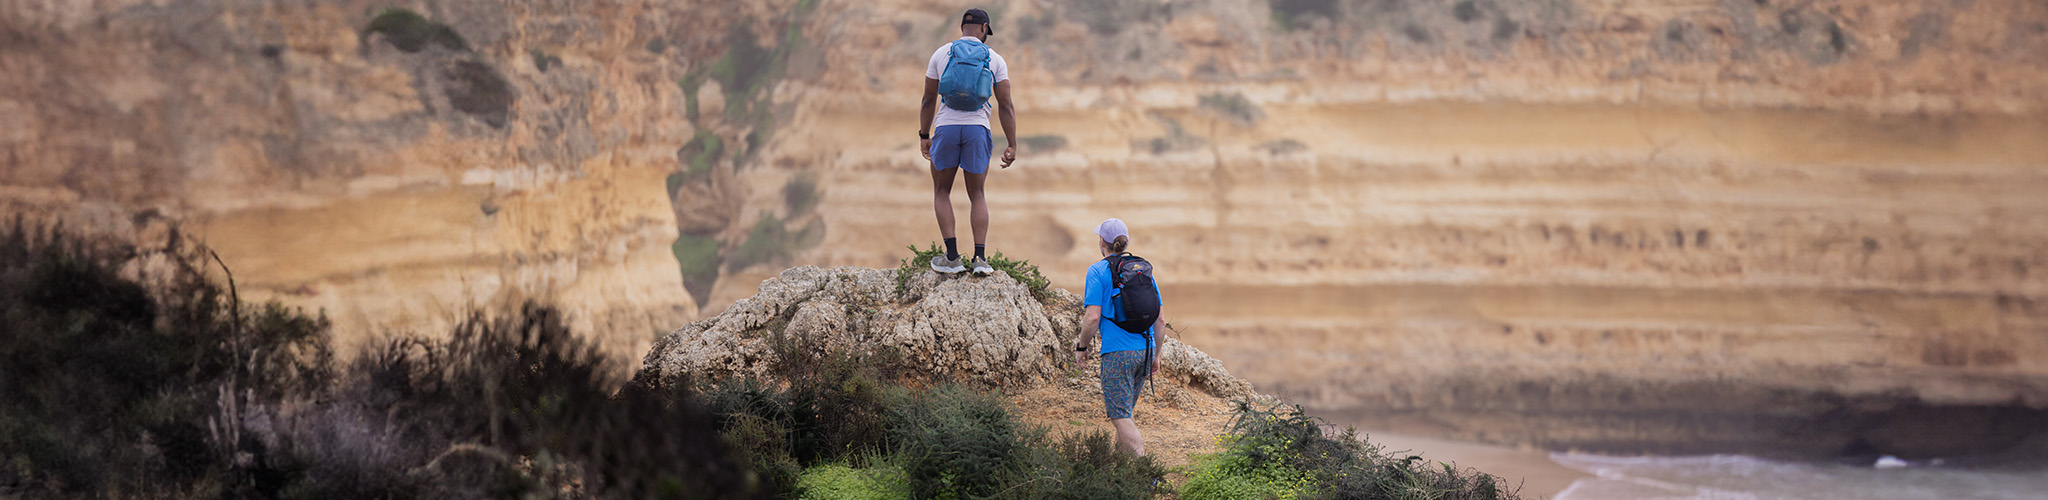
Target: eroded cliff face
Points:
(1582, 211)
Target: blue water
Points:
(1735, 477)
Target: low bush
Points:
(957, 443)
(411, 32)
(128, 373)
(800, 194)
(1045, 143)
(1019, 269)
(1024, 272)
(840, 482)
(1084, 466)
(1280, 452)
(1283, 147)
(113, 382)
(1232, 107)
(832, 409)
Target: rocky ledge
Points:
(990, 331)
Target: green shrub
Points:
(701, 153)
(1176, 139)
(800, 194)
(1280, 452)
(918, 262)
(1234, 476)
(1296, 14)
(411, 32)
(1232, 107)
(839, 482)
(957, 442)
(1109, 17)
(1024, 272)
(1083, 466)
(1021, 270)
(698, 258)
(834, 406)
(1045, 143)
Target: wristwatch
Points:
(922, 135)
(1080, 348)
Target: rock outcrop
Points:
(988, 331)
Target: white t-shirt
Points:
(949, 116)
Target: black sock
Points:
(952, 248)
(977, 250)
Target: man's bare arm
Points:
(924, 116)
(1008, 115)
(1091, 322)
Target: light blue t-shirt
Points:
(1100, 293)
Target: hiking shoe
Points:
(948, 266)
(981, 267)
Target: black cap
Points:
(978, 16)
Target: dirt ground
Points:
(1176, 422)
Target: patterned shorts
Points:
(1122, 375)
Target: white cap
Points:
(1110, 229)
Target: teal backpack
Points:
(967, 81)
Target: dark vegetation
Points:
(1110, 17)
(800, 194)
(1279, 452)
(410, 32)
(1232, 107)
(128, 372)
(847, 426)
(697, 256)
(1299, 14)
(1283, 147)
(1177, 139)
(1045, 143)
(543, 61)
(471, 85)
(477, 89)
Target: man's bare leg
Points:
(1127, 436)
(979, 217)
(942, 199)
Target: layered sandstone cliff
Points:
(1581, 211)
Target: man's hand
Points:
(1079, 356)
(924, 146)
(1009, 156)
(1155, 367)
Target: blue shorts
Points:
(964, 146)
(1123, 373)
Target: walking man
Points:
(1122, 309)
(964, 74)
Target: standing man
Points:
(964, 74)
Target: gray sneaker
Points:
(981, 267)
(948, 266)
